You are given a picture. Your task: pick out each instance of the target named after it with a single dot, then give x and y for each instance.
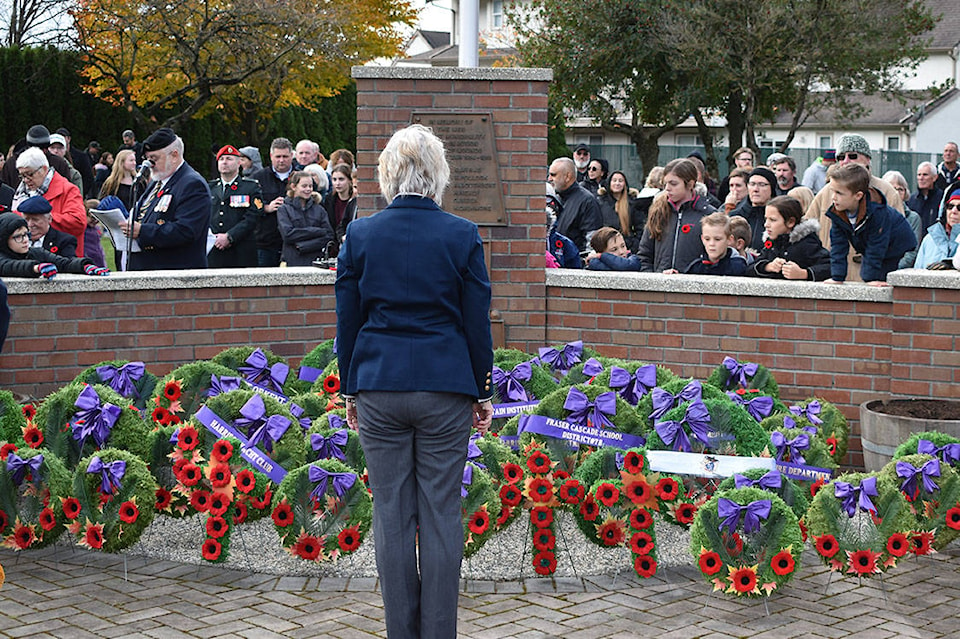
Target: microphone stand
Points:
(134, 214)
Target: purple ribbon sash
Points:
(110, 474)
(258, 371)
(19, 467)
(298, 411)
(219, 385)
(94, 419)
(852, 497)
(731, 512)
(739, 372)
(221, 428)
(562, 360)
(949, 453)
(758, 407)
(803, 472)
(771, 480)
(509, 410)
(664, 401)
(793, 446)
(309, 374)
(913, 477)
(809, 412)
(592, 367)
(577, 433)
(633, 387)
(122, 379)
(696, 418)
(467, 479)
(342, 482)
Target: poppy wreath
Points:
(538, 494)
(331, 438)
(747, 542)
(507, 474)
(560, 359)
(183, 391)
(632, 379)
(32, 485)
(932, 489)
(313, 406)
(861, 525)
(758, 405)
(941, 445)
(672, 394)
(130, 380)
(317, 359)
(327, 387)
(731, 375)
(792, 494)
(830, 423)
(321, 510)
(162, 459)
(112, 502)
(13, 420)
(259, 366)
(618, 507)
(797, 443)
(730, 430)
(480, 506)
(70, 431)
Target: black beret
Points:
(159, 139)
(36, 205)
(38, 135)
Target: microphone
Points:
(144, 169)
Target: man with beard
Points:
(786, 172)
(581, 160)
(580, 216)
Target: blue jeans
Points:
(268, 257)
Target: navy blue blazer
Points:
(173, 223)
(413, 303)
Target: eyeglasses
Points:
(581, 152)
(759, 184)
(847, 156)
(745, 158)
(20, 237)
(951, 207)
(593, 168)
(27, 174)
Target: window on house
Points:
(826, 142)
(893, 143)
(688, 139)
(496, 17)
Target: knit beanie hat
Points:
(851, 142)
(767, 175)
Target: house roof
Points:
(435, 38)
(449, 55)
(946, 33)
(879, 111)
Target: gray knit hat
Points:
(851, 142)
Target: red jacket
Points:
(69, 212)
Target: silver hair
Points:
(929, 165)
(896, 178)
(413, 162)
(319, 176)
(33, 159)
(313, 145)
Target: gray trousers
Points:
(416, 446)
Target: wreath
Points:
(798, 445)
(331, 438)
(773, 481)
(12, 418)
(941, 445)
(112, 500)
(260, 367)
(161, 462)
(830, 423)
(932, 489)
(861, 524)
(130, 380)
(758, 405)
(633, 380)
(321, 510)
(504, 469)
(327, 387)
(717, 426)
(520, 381)
(731, 375)
(559, 359)
(662, 399)
(313, 363)
(181, 393)
(480, 502)
(79, 419)
(32, 484)
(617, 508)
(313, 406)
(536, 492)
(746, 541)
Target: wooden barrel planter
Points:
(885, 424)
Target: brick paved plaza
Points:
(76, 593)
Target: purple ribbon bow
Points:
(342, 482)
(697, 419)
(949, 453)
(110, 474)
(331, 446)
(771, 480)
(592, 367)
(510, 385)
(94, 418)
(739, 370)
(808, 412)
(260, 429)
(633, 387)
(122, 379)
(758, 407)
(857, 496)
(219, 385)
(335, 421)
(259, 372)
(473, 451)
(912, 474)
(564, 359)
(583, 411)
(731, 512)
(467, 480)
(795, 445)
(298, 411)
(664, 401)
(19, 467)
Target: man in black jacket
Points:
(273, 184)
(580, 216)
(38, 214)
(237, 205)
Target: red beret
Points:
(228, 150)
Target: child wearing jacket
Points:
(791, 247)
(17, 259)
(719, 255)
(610, 252)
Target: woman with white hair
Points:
(415, 354)
(900, 185)
(37, 178)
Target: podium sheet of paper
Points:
(111, 220)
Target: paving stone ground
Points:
(61, 592)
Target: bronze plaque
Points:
(475, 191)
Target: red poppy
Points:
(307, 547)
(239, 512)
(541, 516)
(200, 500)
(349, 539)
(128, 512)
(48, 521)
(220, 475)
(541, 490)
(782, 563)
(560, 475)
(668, 489)
(219, 503)
(331, 384)
(4, 521)
(803, 530)
(921, 542)
(863, 562)
(54, 249)
(953, 518)
(93, 537)
(190, 474)
(505, 513)
(479, 522)
(23, 536)
(512, 473)
(246, 481)
(544, 539)
(33, 437)
(264, 501)
(685, 513)
(638, 492)
(538, 463)
(571, 491)
(816, 486)
(171, 390)
(710, 563)
(686, 228)
(827, 545)
(160, 415)
(282, 515)
(173, 420)
(633, 462)
(641, 543)
(163, 499)
(211, 549)
(29, 411)
(645, 566)
(222, 450)
(767, 244)
(545, 562)
(216, 527)
(6, 449)
(558, 243)
(898, 545)
(744, 580)
(71, 507)
(589, 509)
(187, 438)
(640, 519)
(510, 495)
(832, 445)
(608, 494)
(733, 544)
(611, 533)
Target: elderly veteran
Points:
(415, 354)
(171, 221)
(38, 214)
(68, 214)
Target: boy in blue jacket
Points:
(876, 231)
(610, 252)
(719, 256)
